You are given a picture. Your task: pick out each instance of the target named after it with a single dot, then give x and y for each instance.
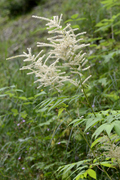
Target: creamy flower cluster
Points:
(111, 149)
(65, 55)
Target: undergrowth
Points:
(69, 128)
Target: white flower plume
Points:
(66, 52)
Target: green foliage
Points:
(105, 120)
(46, 135)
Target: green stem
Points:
(83, 133)
(87, 97)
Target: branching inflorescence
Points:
(65, 55)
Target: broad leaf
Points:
(91, 173)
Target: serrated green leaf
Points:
(59, 102)
(60, 111)
(77, 122)
(47, 102)
(106, 164)
(81, 175)
(95, 142)
(67, 167)
(91, 173)
(117, 129)
(99, 130)
(92, 123)
(56, 104)
(109, 128)
(42, 109)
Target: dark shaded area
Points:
(21, 7)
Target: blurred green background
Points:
(34, 141)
